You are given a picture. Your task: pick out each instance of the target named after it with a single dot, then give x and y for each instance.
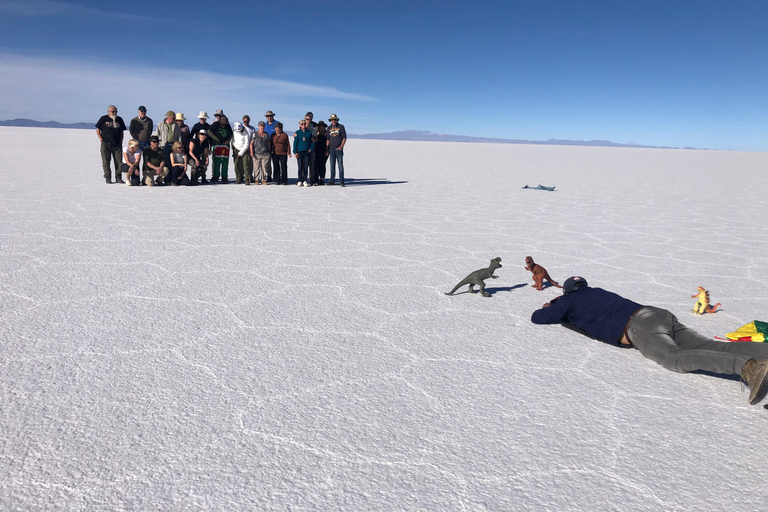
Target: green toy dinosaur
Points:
(478, 277)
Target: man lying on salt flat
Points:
(656, 333)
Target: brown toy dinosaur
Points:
(539, 274)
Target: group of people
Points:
(163, 155)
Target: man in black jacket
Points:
(656, 333)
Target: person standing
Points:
(141, 128)
(154, 162)
(130, 166)
(241, 152)
(321, 154)
(220, 135)
(281, 152)
(269, 127)
(311, 126)
(110, 130)
(168, 132)
(202, 124)
(261, 152)
(186, 135)
(199, 148)
(302, 148)
(337, 139)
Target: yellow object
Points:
(748, 331)
(702, 304)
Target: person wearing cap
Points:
(241, 153)
(109, 129)
(198, 150)
(269, 127)
(220, 135)
(141, 128)
(321, 154)
(202, 124)
(281, 152)
(154, 163)
(302, 148)
(186, 135)
(261, 152)
(656, 333)
(168, 132)
(337, 139)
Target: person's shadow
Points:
(353, 182)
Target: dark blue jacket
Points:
(602, 314)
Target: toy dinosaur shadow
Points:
(505, 288)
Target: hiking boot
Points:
(755, 374)
(108, 180)
(119, 179)
(239, 181)
(341, 184)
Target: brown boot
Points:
(755, 374)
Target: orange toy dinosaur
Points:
(702, 305)
(539, 274)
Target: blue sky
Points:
(673, 73)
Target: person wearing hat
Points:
(109, 129)
(337, 139)
(269, 127)
(168, 132)
(241, 153)
(186, 136)
(202, 124)
(154, 163)
(220, 134)
(656, 334)
(141, 128)
(199, 149)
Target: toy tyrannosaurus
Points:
(478, 277)
(539, 274)
(702, 305)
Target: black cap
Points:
(142, 108)
(574, 283)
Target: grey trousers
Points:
(658, 335)
(110, 154)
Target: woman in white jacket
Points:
(241, 144)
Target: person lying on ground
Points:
(656, 333)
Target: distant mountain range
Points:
(29, 123)
(414, 135)
(445, 137)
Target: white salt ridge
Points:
(276, 348)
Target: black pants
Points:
(319, 172)
(178, 175)
(302, 159)
(280, 168)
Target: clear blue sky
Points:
(675, 73)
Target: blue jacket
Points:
(602, 314)
(302, 141)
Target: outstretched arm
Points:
(553, 312)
